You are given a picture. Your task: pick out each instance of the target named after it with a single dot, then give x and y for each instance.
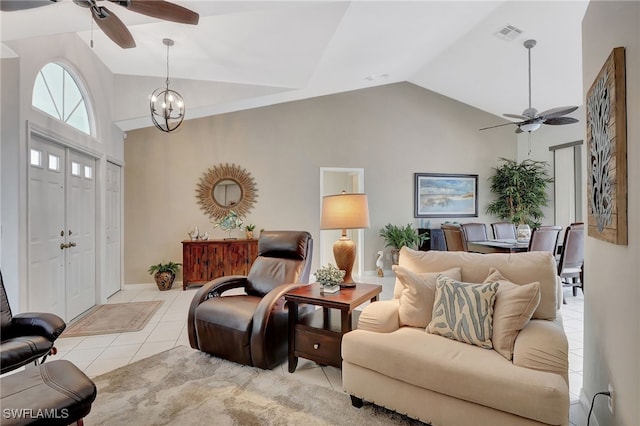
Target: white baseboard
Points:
(146, 286)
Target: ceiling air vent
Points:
(508, 33)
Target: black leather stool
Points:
(53, 393)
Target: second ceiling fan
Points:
(531, 120)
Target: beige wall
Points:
(612, 288)
(391, 131)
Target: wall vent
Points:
(508, 33)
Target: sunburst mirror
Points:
(224, 188)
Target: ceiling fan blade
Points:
(557, 112)
(498, 125)
(113, 27)
(13, 5)
(556, 121)
(161, 9)
(519, 117)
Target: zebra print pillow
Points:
(464, 311)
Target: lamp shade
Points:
(345, 211)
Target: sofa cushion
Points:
(463, 311)
(519, 268)
(512, 311)
(417, 297)
(460, 371)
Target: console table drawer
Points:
(323, 348)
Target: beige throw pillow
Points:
(463, 311)
(418, 294)
(514, 306)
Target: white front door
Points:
(61, 229)
(47, 231)
(81, 233)
(113, 221)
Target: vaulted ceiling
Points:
(248, 54)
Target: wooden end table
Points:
(318, 335)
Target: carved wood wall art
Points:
(607, 150)
(226, 187)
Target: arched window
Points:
(57, 93)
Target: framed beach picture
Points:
(445, 195)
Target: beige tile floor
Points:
(96, 355)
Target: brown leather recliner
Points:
(251, 328)
(27, 337)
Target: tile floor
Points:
(96, 355)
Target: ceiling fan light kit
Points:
(167, 106)
(530, 119)
(530, 127)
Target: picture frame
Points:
(445, 195)
(607, 152)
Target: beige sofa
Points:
(446, 382)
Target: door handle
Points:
(71, 245)
(63, 246)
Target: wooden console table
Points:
(202, 261)
(318, 336)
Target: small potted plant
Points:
(249, 231)
(329, 278)
(164, 274)
(400, 236)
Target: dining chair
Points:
(474, 231)
(504, 230)
(454, 238)
(545, 238)
(572, 258)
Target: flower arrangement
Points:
(329, 276)
(230, 222)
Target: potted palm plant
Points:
(400, 236)
(164, 274)
(522, 191)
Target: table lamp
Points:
(345, 211)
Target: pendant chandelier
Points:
(167, 106)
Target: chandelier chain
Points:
(167, 66)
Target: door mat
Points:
(113, 318)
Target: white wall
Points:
(18, 76)
(612, 286)
(391, 131)
(9, 151)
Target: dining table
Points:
(498, 246)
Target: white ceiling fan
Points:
(531, 120)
